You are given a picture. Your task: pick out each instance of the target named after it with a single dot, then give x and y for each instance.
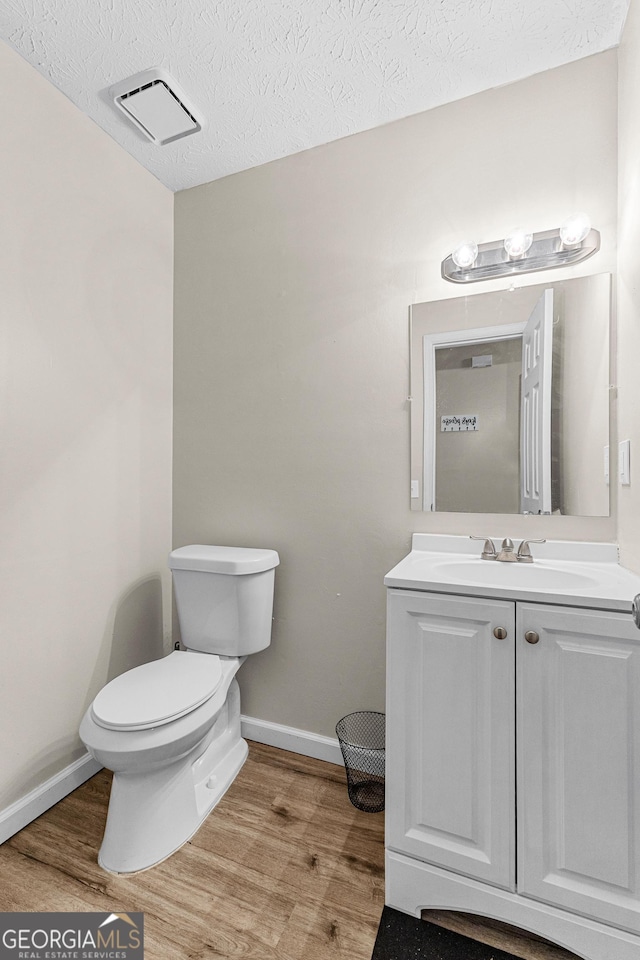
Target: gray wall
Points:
(292, 284)
(86, 256)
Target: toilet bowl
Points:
(170, 729)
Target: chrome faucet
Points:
(506, 554)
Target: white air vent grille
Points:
(153, 102)
(169, 90)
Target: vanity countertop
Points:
(563, 572)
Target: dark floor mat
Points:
(401, 937)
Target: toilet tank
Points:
(224, 597)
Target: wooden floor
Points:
(285, 868)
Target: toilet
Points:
(170, 729)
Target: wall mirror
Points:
(510, 400)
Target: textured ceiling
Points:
(272, 77)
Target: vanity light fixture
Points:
(522, 252)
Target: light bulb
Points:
(574, 230)
(517, 243)
(464, 256)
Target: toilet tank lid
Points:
(229, 560)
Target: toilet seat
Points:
(158, 692)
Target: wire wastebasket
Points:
(361, 738)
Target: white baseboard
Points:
(23, 811)
(28, 808)
(291, 738)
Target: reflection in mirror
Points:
(510, 409)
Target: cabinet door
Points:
(579, 762)
(450, 733)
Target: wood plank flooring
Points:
(285, 868)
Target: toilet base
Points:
(153, 814)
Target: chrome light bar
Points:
(546, 251)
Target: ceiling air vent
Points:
(153, 101)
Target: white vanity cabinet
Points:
(513, 764)
(578, 761)
(450, 751)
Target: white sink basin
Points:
(582, 574)
(540, 574)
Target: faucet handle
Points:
(524, 553)
(489, 551)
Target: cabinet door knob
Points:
(500, 633)
(531, 636)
